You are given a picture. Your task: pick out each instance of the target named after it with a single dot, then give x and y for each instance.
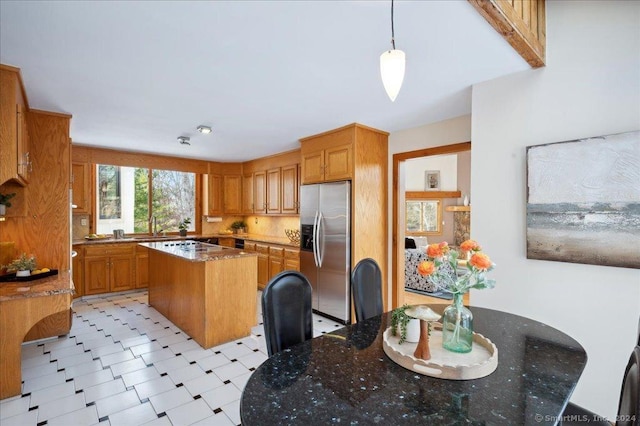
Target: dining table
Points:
(345, 377)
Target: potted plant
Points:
(4, 202)
(22, 265)
(408, 327)
(183, 226)
(239, 226)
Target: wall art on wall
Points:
(432, 180)
(583, 201)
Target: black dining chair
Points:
(366, 288)
(409, 243)
(628, 405)
(286, 311)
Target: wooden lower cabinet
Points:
(78, 273)
(292, 259)
(109, 267)
(96, 275)
(263, 265)
(276, 265)
(227, 242)
(142, 267)
(273, 259)
(121, 273)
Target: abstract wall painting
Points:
(583, 201)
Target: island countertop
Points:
(284, 241)
(195, 251)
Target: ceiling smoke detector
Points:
(184, 140)
(205, 130)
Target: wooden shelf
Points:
(431, 194)
(458, 208)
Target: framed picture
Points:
(583, 201)
(432, 180)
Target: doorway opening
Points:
(399, 214)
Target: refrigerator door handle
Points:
(320, 243)
(315, 240)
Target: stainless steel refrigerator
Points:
(325, 246)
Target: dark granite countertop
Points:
(345, 377)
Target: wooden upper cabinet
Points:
(260, 192)
(273, 191)
(360, 154)
(80, 186)
(289, 175)
(24, 157)
(15, 162)
(328, 157)
(313, 167)
(338, 163)
(247, 194)
(232, 194)
(215, 201)
(276, 181)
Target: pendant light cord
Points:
(393, 41)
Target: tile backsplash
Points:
(261, 225)
(272, 226)
(78, 230)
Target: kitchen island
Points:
(207, 290)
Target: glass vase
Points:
(457, 326)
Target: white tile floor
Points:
(123, 363)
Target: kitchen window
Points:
(423, 217)
(127, 197)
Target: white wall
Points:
(590, 87)
(447, 165)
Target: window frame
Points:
(428, 195)
(439, 227)
(150, 168)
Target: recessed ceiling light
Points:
(184, 140)
(205, 130)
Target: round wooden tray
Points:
(444, 364)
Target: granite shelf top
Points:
(48, 286)
(197, 252)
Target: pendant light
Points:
(392, 66)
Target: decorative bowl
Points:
(293, 234)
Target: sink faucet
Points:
(154, 222)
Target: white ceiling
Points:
(136, 75)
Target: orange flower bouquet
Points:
(440, 255)
(457, 320)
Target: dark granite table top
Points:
(345, 377)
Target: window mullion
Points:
(150, 199)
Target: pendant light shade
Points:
(392, 71)
(392, 66)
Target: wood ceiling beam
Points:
(521, 22)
